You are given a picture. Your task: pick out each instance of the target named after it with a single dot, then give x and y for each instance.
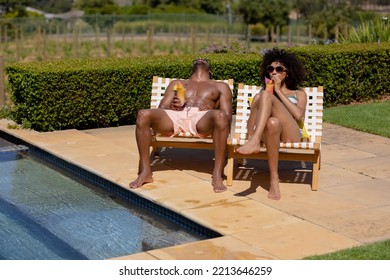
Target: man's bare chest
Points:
(202, 92)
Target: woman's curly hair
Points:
(295, 70)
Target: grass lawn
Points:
(374, 251)
(369, 117)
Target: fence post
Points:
(17, 44)
(123, 31)
(248, 38)
(66, 27)
(274, 34)
(97, 36)
(150, 39)
(325, 34)
(345, 31)
(193, 38)
(227, 33)
(45, 44)
(208, 36)
(57, 38)
(289, 35)
(5, 34)
(2, 82)
(109, 42)
(38, 41)
(76, 41)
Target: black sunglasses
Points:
(279, 69)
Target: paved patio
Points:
(351, 207)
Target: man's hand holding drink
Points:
(179, 100)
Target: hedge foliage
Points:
(356, 72)
(82, 94)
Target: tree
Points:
(92, 4)
(268, 12)
(251, 14)
(53, 6)
(213, 7)
(275, 13)
(15, 6)
(326, 15)
(96, 6)
(306, 8)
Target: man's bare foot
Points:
(274, 191)
(141, 179)
(217, 183)
(250, 147)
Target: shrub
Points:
(377, 30)
(89, 93)
(81, 93)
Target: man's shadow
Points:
(199, 160)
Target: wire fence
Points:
(97, 36)
(39, 39)
(111, 35)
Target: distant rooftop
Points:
(68, 15)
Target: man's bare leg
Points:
(145, 176)
(220, 135)
(146, 119)
(144, 139)
(217, 122)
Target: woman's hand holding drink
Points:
(269, 85)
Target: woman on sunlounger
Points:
(277, 112)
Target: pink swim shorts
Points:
(185, 121)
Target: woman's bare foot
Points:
(217, 183)
(274, 191)
(250, 147)
(143, 178)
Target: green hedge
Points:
(95, 93)
(356, 72)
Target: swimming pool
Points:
(48, 213)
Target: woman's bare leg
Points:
(268, 106)
(263, 109)
(279, 126)
(272, 143)
(252, 117)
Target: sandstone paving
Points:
(350, 207)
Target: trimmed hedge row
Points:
(357, 72)
(82, 94)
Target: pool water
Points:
(48, 214)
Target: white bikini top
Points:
(293, 99)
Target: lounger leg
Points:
(316, 167)
(155, 151)
(230, 166)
